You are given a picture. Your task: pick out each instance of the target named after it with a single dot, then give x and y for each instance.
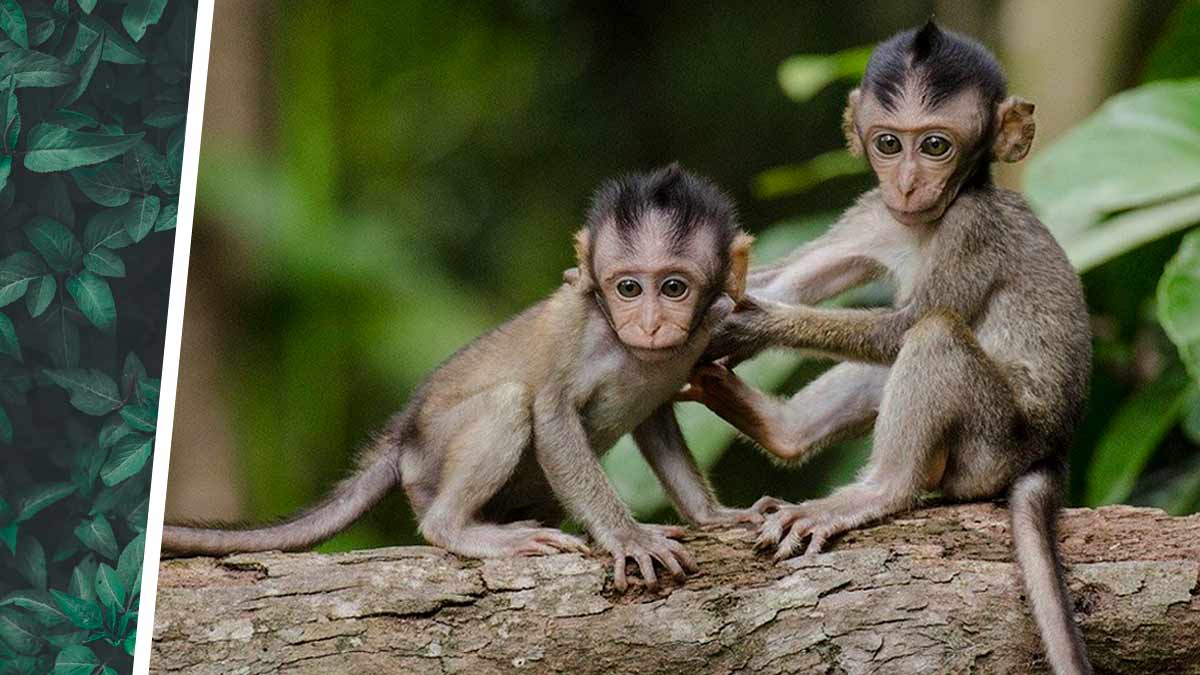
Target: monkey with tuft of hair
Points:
(508, 431)
(975, 380)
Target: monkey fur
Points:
(508, 432)
(974, 381)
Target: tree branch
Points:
(934, 591)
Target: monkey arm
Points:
(661, 442)
(818, 270)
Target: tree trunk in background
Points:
(932, 592)
(204, 469)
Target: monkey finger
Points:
(820, 536)
(766, 505)
(683, 555)
(769, 534)
(790, 544)
(619, 581)
(533, 548)
(689, 392)
(667, 558)
(646, 566)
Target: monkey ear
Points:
(580, 276)
(739, 265)
(1014, 129)
(848, 128)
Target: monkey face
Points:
(653, 293)
(920, 155)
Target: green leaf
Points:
(8, 338)
(140, 14)
(106, 228)
(166, 217)
(12, 115)
(140, 417)
(86, 5)
(129, 565)
(42, 497)
(106, 184)
(31, 561)
(35, 69)
(8, 536)
(58, 245)
(76, 660)
(6, 428)
(95, 300)
(142, 214)
(91, 390)
(104, 262)
(12, 22)
(167, 116)
(83, 579)
(1131, 438)
(117, 47)
(87, 68)
(804, 75)
(38, 603)
(16, 273)
(40, 294)
(55, 148)
(132, 372)
(128, 457)
(1085, 177)
(796, 178)
(20, 633)
(98, 535)
(1179, 302)
(110, 591)
(114, 429)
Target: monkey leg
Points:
(946, 416)
(838, 405)
(485, 439)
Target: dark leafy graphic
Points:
(93, 98)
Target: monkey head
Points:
(659, 251)
(931, 115)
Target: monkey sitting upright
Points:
(976, 378)
(509, 429)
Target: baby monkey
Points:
(509, 430)
(975, 379)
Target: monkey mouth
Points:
(915, 216)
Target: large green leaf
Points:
(140, 14)
(106, 184)
(1179, 302)
(117, 47)
(105, 262)
(107, 229)
(76, 660)
(19, 632)
(1131, 438)
(1139, 157)
(35, 69)
(91, 390)
(95, 299)
(43, 496)
(56, 148)
(87, 68)
(9, 344)
(143, 212)
(98, 535)
(58, 245)
(83, 613)
(128, 457)
(16, 272)
(31, 561)
(38, 603)
(13, 23)
(803, 75)
(40, 294)
(110, 590)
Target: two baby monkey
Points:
(973, 381)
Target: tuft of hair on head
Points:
(687, 201)
(943, 63)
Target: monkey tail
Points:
(1033, 506)
(378, 472)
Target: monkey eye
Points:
(887, 144)
(629, 288)
(935, 146)
(674, 288)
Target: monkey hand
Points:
(743, 333)
(709, 384)
(646, 544)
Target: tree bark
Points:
(931, 592)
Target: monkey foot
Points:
(646, 545)
(786, 526)
(529, 541)
(724, 517)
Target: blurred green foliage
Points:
(92, 97)
(431, 163)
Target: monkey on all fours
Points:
(508, 431)
(974, 380)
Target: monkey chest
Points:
(625, 400)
